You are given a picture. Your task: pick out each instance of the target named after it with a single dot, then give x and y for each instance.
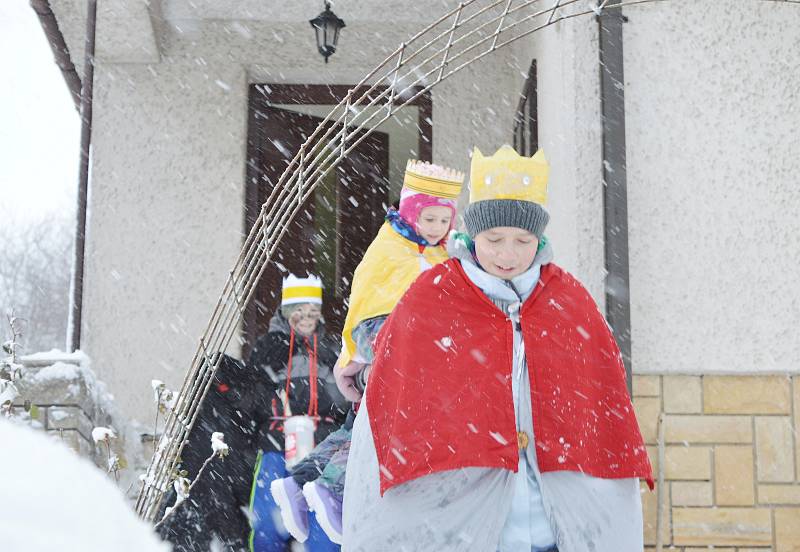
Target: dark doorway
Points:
(330, 234)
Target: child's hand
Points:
(345, 379)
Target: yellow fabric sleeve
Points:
(389, 267)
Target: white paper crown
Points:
(301, 290)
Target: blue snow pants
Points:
(267, 532)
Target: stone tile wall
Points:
(64, 397)
(731, 461)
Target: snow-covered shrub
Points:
(183, 486)
(10, 369)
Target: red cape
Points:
(440, 394)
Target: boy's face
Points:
(433, 223)
(304, 319)
(505, 252)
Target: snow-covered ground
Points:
(51, 500)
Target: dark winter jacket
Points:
(270, 359)
(216, 506)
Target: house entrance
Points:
(330, 234)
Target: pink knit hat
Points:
(412, 204)
(428, 185)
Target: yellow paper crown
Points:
(508, 175)
(435, 180)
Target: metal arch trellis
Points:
(441, 49)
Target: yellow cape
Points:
(388, 268)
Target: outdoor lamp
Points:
(327, 26)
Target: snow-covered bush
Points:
(183, 486)
(166, 400)
(10, 369)
(106, 435)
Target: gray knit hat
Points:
(491, 213)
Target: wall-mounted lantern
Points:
(327, 26)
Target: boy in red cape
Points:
(496, 417)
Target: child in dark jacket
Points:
(295, 359)
(215, 509)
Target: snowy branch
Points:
(10, 369)
(105, 435)
(181, 484)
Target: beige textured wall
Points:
(731, 461)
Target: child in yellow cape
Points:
(411, 241)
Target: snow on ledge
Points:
(57, 371)
(53, 367)
(53, 356)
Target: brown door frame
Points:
(332, 94)
(274, 95)
(269, 95)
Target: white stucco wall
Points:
(712, 92)
(166, 201)
(570, 133)
(165, 219)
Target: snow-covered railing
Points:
(471, 31)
